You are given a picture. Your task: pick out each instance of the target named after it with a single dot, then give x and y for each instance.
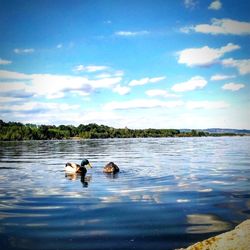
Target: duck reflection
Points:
(111, 176)
(83, 178)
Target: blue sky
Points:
(140, 64)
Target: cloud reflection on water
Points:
(167, 187)
(205, 223)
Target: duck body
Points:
(111, 168)
(72, 168)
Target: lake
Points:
(170, 192)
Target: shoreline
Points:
(110, 138)
(236, 239)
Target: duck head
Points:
(85, 162)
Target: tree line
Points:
(13, 131)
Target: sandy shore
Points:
(237, 239)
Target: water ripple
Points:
(169, 193)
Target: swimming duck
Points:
(111, 168)
(76, 168)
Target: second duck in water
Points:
(111, 168)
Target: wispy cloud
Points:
(204, 56)
(24, 51)
(233, 86)
(160, 93)
(5, 74)
(35, 107)
(215, 5)
(11, 86)
(207, 105)
(7, 99)
(132, 33)
(242, 65)
(90, 68)
(196, 82)
(223, 26)
(154, 103)
(41, 112)
(121, 90)
(107, 22)
(59, 46)
(190, 4)
(146, 80)
(219, 77)
(111, 73)
(142, 104)
(4, 62)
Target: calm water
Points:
(171, 192)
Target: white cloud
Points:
(95, 68)
(121, 90)
(207, 105)
(228, 48)
(142, 104)
(196, 82)
(59, 46)
(5, 99)
(190, 4)
(4, 62)
(242, 65)
(117, 73)
(56, 86)
(90, 68)
(108, 22)
(154, 103)
(70, 116)
(38, 107)
(233, 86)
(132, 33)
(223, 26)
(159, 93)
(5, 74)
(157, 79)
(146, 80)
(103, 75)
(204, 56)
(105, 83)
(103, 117)
(186, 29)
(215, 5)
(79, 68)
(219, 77)
(12, 86)
(24, 51)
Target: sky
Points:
(126, 63)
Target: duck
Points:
(72, 168)
(111, 168)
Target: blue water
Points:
(170, 192)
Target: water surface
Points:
(170, 192)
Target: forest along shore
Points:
(13, 131)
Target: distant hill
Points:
(220, 131)
(227, 130)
